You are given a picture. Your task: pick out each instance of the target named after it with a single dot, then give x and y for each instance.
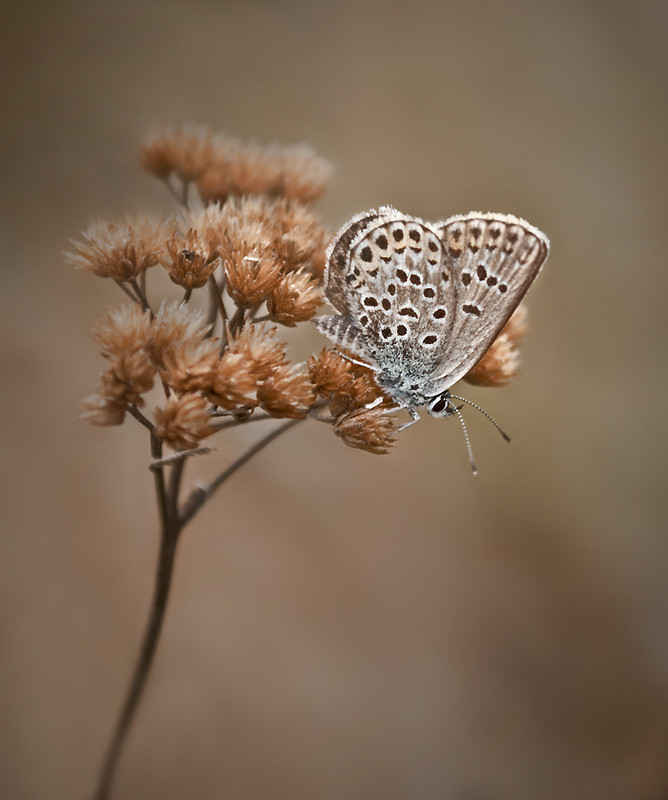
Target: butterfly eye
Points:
(438, 406)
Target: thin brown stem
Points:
(172, 523)
(163, 582)
(201, 494)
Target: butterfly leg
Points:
(414, 418)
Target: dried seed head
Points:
(370, 429)
(186, 151)
(121, 329)
(120, 249)
(190, 259)
(102, 411)
(128, 375)
(183, 421)
(233, 382)
(286, 392)
(252, 169)
(502, 361)
(189, 366)
(295, 298)
(250, 277)
(174, 324)
(329, 372)
(498, 366)
(260, 348)
(518, 325)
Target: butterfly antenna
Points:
(485, 414)
(466, 437)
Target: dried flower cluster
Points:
(251, 251)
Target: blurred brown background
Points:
(344, 625)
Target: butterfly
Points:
(421, 302)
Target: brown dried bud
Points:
(183, 421)
(102, 411)
(189, 366)
(370, 429)
(186, 151)
(233, 382)
(250, 278)
(190, 260)
(329, 372)
(260, 348)
(120, 329)
(287, 392)
(502, 361)
(128, 375)
(295, 298)
(120, 249)
(174, 324)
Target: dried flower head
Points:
(260, 348)
(124, 328)
(347, 386)
(370, 429)
(186, 151)
(183, 421)
(189, 366)
(102, 411)
(294, 298)
(120, 249)
(251, 169)
(286, 392)
(233, 382)
(250, 277)
(190, 259)
(328, 372)
(502, 361)
(175, 324)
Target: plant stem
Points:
(173, 520)
(163, 582)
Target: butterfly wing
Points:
(493, 259)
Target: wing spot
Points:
(481, 272)
(385, 303)
(495, 233)
(386, 333)
(445, 277)
(473, 248)
(341, 259)
(503, 288)
(456, 234)
(432, 262)
(492, 280)
(398, 234)
(386, 259)
(454, 252)
(399, 250)
(416, 279)
(475, 231)
(439, 313)
(429, 339)
(433, 246)
(372, 272)
(416, 249)
(414, 234)
(429, 292)
(381, 241)
(408, 311)
(364, 320)
(370, 302)
(471, 309)
(402, 275)
(402, 330)
(466, 278)
(366, 254)
(513, 236)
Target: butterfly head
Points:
(441, 405)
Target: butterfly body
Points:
(422, 302)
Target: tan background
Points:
(342, 625)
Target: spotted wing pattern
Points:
(424, 301)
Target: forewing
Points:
(399, 293)
(493, 259)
